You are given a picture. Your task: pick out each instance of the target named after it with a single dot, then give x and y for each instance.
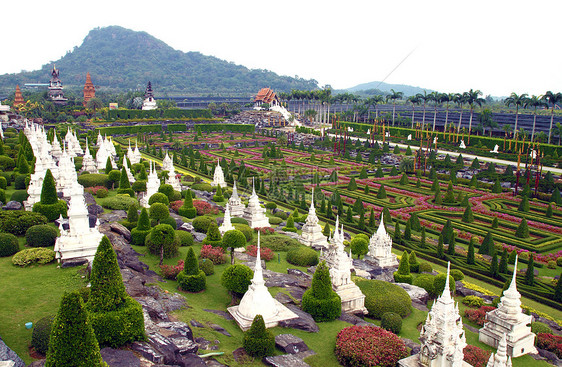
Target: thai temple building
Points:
(133, 154)
(55, 88)
(509, 321)
(312, 231)
(89, 89)
(168, 165)
(266, 95)
(442, 336)
(235, 204)
(18, 98)
(254, 213)
(258, 301)
(218, 176)
(380, 248)
(149, 101)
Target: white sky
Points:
(496, 46)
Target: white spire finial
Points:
(446, 291)
(513, 286)
(253, 187)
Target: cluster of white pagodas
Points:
(79, 241)
(500, 358)
(152, 185)
(37, 138)
(128, 171)
(311, 231)
(168, 165)
(106, 150)
(218, 176)
(254, 213)
(67, 174)
(258, 301)
(73, 144)
(235, 204)
(88, 161)
(226, 224)
(509, 321)
(380, 248)
(340, 264)
(133, 154)
(442, 336)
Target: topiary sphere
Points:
(457, 274)
(207, 266)
(159, 211)
(302, 256)
(236, 278)
(185, 238)
(439, 283)
(159, 198)
(8, 244)
(425, 281)
(381, 297)
(391, 321)
(41, 334)
(41, 236)
(202, 223)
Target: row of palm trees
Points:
(323, 99)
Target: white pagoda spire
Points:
(500, 358)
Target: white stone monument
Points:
(218, 176)
(380, 248)
(128, 171)
(152, 186)
(500, 358)
(226, 224)
(236, 206)
(496, 147)
(462, 144)
(409, 137)
(442, 336)
(258, 301)
(254, 213)
(509, 320)
(136, 155)
(56, 150)
(88, 162)
(312, 231)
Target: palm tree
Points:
(425, 97)
(534, 102)
(558, 131)
(394, 96)
(414, 100)
(517, 101)
(460, 99)
(552, 99)
(372, 102)
(473, 98)
(447, 98)
(436, 98)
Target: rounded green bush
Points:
(457, 274)
(473, 301)
(41, 334)
(539, 327)
(236, 278)
(279, 242)
(551, 264)
(159, 198)
(3, 196)
(439, 283)
(171, 221)
(41, 235)
(119, 202)
(275, 220)
(192, 283)
(138, 236)
(381, 297)
(163, 235)
(425, 281)
(3, 183)
(202, 223)
(302, 256)
(127, 191)
(8, 244)
(18, 222)
(185, 238)
(51, 211)
(559, 261)
(166, 189)
(158, 211)
(19, 195)
(93, 179)
(202, 187)
(246, 230)
(19, 182)
(403, 278)
(281, 214)
(425, 267)
(38, 255)
(102, 193)
(207, 266)
(242, 221)
(391, 321)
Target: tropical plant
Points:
(517, 101)
(534, 102)
(552, 99)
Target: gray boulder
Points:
(12, 205)
(303, 322)
(290, 344)
(121, 229)
(6, 354)
(417, 294)
(95, 209)
(119, 358)
(285, 360)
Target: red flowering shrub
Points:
(265, 253)
(171, 271)
(478, 316)
(369, 346)
(265, 230)
(204, 207)
(215, 254)
(94, 189)
(476, 356)
(175, 205)
(550, 342)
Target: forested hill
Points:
(122, 59)
(382, 88)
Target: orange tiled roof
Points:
(265, 95)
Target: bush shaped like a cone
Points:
(258, 341)
(50, 205)
(72, 341)
(191, 278)
(139, 233)
(320, 301)
(187, 209)
(403, 274)
(116, 317)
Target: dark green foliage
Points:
(159, 211)
(162, 241)
(391, 321)
(290, 227)
(556, 197)
(116, 318)
(558, 290)
(496, 189)
(439, 283)
(381, 194)
(41, 334)
(503, 262)
(237, 278)
(549, 211)
(414, 264)
(232, 239)
(457, 274)
(475, 164)
(512, 256)
(159, 198)
(359, 246)
(522, 230)
(468, 216)
(381, 297)
(393, 171)
(487, 247)
(440, 248)
(49, 191)
(495, 222)
(530, 273)
(167, 190)
(470, 259)
(214, 237)
(435, 185)
(17, 222)
(320, 301)
(422, 239)
(218, 197)
(93, 179)
(379, 172)
(124, 180)
(451, 247)
(72, 339)
(397, 234)
(8, 244)
(372, 218)
(367, 190)
(449, 195)
(408, 230)
(258, 341)
(403, 274)
(185, 238)
(51, 211)
(363, 173)
(108, 166)
(326, 230)
(349, 215)
(539, 327)
(426, 281)
(191, 278)
(20, 182)
(302, 256)
(139, 233)
(387, 219)
(352, 186)
(415, 221)
(404, 179)
(202, 223)
(207, 266)
(494, 270)
(41, 235)
(524, 204)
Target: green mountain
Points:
(120, 59)
(382, 88)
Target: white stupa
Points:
(56, 150)
(226, 224)
(67, 174)
(152, 186)
(88, 162)
(509, 320)
(167, 163)
(35, 184)
(442, 336)
(136, 155)
(254, 213)
(258, 301)
(500, 358)
(236, 206)
(218, 176)
(312, 231)
(79, 241)
(99, 140)
(380, 248)
(128, 171)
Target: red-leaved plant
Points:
(478, 316)
(215, 254)
(204, 207)
(265, 252)
(550, 342)
(475, 356)
(171, 271)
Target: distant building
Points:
(55, 88)
(89, 89)
(18, 99)
(149, 101)
(266, 95)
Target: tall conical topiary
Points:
(496, 189)
(524, 204)
(487, 246)
(72, 341)
(449, 195)
(440, 248)
(191, 278)
(381, 194)
(494, 270)
(326, 230)
(108, 166)
(503, 262)
(451, 247)
(408, 230)
(495, 222)
(530, 273)
(387, 219)
(187, 209)
(438, 199)
(423, 244)
(124, 180)
(50, 206)
(522, 230)
(352, 186)
(49, 190)
(404, 179)
(549, 211)
(468, 216)
(117, 318)
(556, 197)
(258, 341)
(402, 275)
(372, 218)
(415, 221)
(320, 301)
(397, 234)
(414, 264)
(214, 237)
(470, 259)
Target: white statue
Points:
(462, 145)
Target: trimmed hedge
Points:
(185, 238)
(51, 211)
(28, 256)
(119, 202)
(20, 196)
(42, 334)
(302, 256)
(41, 235)
(237, 278)
(191, 278)
(172, 113)
(8, 244)
(163, 235)
(381, 297)
(391, 321)
(18, 222)
(320, 301)
(94, 179)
